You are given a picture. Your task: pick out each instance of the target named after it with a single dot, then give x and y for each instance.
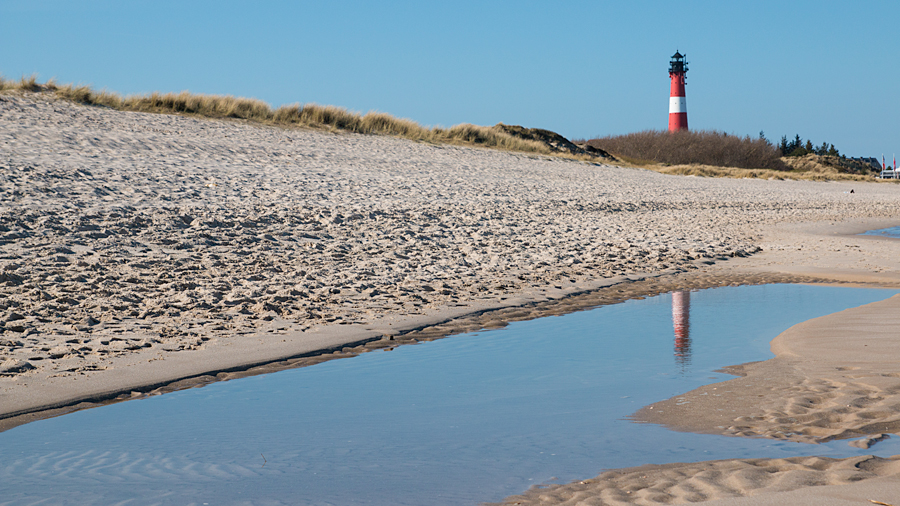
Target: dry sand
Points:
(141, 253)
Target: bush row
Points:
(705, 147)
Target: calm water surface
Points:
(888, 232)
(457, 421)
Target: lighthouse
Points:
(677, 103)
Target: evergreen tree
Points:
(797, 147)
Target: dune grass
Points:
(295, 115)
(740, 173)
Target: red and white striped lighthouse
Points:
(677, 103)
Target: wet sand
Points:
(749, 482)
(143, 253)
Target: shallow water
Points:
(471, 418)
(888, 232)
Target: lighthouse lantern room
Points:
(678, 67)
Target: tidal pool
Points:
(463, 420)
(887, 232)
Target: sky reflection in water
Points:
(456, 421)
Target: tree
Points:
(797, 147)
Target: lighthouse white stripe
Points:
(677, 104)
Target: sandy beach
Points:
(143, 253)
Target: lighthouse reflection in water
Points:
(681, 320)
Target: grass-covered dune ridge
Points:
(697, 153)
(828, 174)
(306, 115)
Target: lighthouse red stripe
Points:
(678, 121)
(677, 89)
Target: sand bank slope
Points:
(751, 482)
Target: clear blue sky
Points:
(826, 70)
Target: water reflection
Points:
(681, 319)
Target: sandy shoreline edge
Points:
(148, 373)
(144, 377)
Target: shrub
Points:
(693, 147)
